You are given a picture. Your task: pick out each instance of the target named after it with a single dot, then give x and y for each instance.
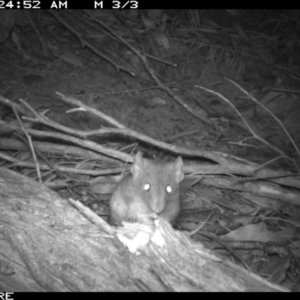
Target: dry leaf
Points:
(278, 269)
(71, 58)
(254, 232)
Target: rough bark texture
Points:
(47, 244)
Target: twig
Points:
(37, 33)
(248, 126)
(202, 224)
(85, 43)
(131, 133)
(267, 163)
(29, 140)
(92, 216)
(151, 72)
(267, 177)
(266, 109)
(215, 238)
(226, 163)
(263, 218)
(185, 133)
(83, 107)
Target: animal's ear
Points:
(178, 168)
(137, 166)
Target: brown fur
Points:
(132, 201)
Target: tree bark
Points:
(48, 243)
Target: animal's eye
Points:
(169, 189)
(147, 186)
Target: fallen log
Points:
(48, 243)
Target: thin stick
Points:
(249, 127)
(266, 109)
(30, 145)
